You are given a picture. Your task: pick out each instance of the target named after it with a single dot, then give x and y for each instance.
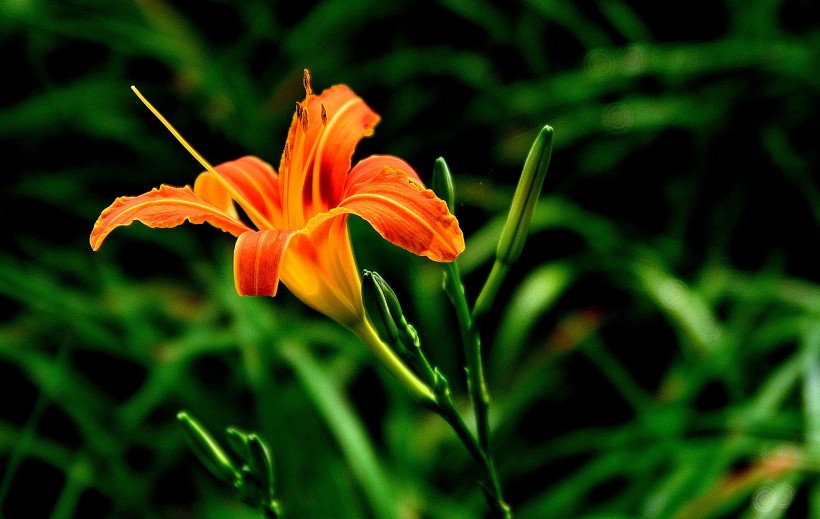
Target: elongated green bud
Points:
(207, 450)
(442, 184)
(517, 226)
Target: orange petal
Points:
(255, 187)
(369, 168)
(320, 269)
(406, 214)
(349, 120)
(210, 189)
(323, 136)
(167, 206)
(257, 261)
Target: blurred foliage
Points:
(655, 353)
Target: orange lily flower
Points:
(297, 230)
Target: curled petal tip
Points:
(443, 183)
(407, 214)
(166, 206)
(258, 261)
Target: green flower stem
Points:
(479, 395)
(471, 340)
(391, 330)
(368, 335)
(489, 290)
(490, 482)
(477, 387)
(443, 185)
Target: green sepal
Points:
(260, 462)
(256, 485)
(440, 384)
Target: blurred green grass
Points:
(655, 353)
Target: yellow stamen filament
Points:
(205, 164)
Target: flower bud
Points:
(384, 310)
(257, 485)
(380, 304)
(207, 450)
(526, 195)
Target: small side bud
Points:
(442, 184)
(440, 384)
(257, 483)
(207, 450)
(381, 304)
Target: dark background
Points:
(654, 353)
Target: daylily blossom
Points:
(292, 225)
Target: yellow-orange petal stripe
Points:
(258, 261)
(320, 269)
(167, 206)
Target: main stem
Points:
(490, 483)
(477, 387)
(476, 383)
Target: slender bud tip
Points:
(207, 449)
(442, 184)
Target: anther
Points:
(304, 119)
(306, 82)
(324, 115)
(287, 157)
(299, 111)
